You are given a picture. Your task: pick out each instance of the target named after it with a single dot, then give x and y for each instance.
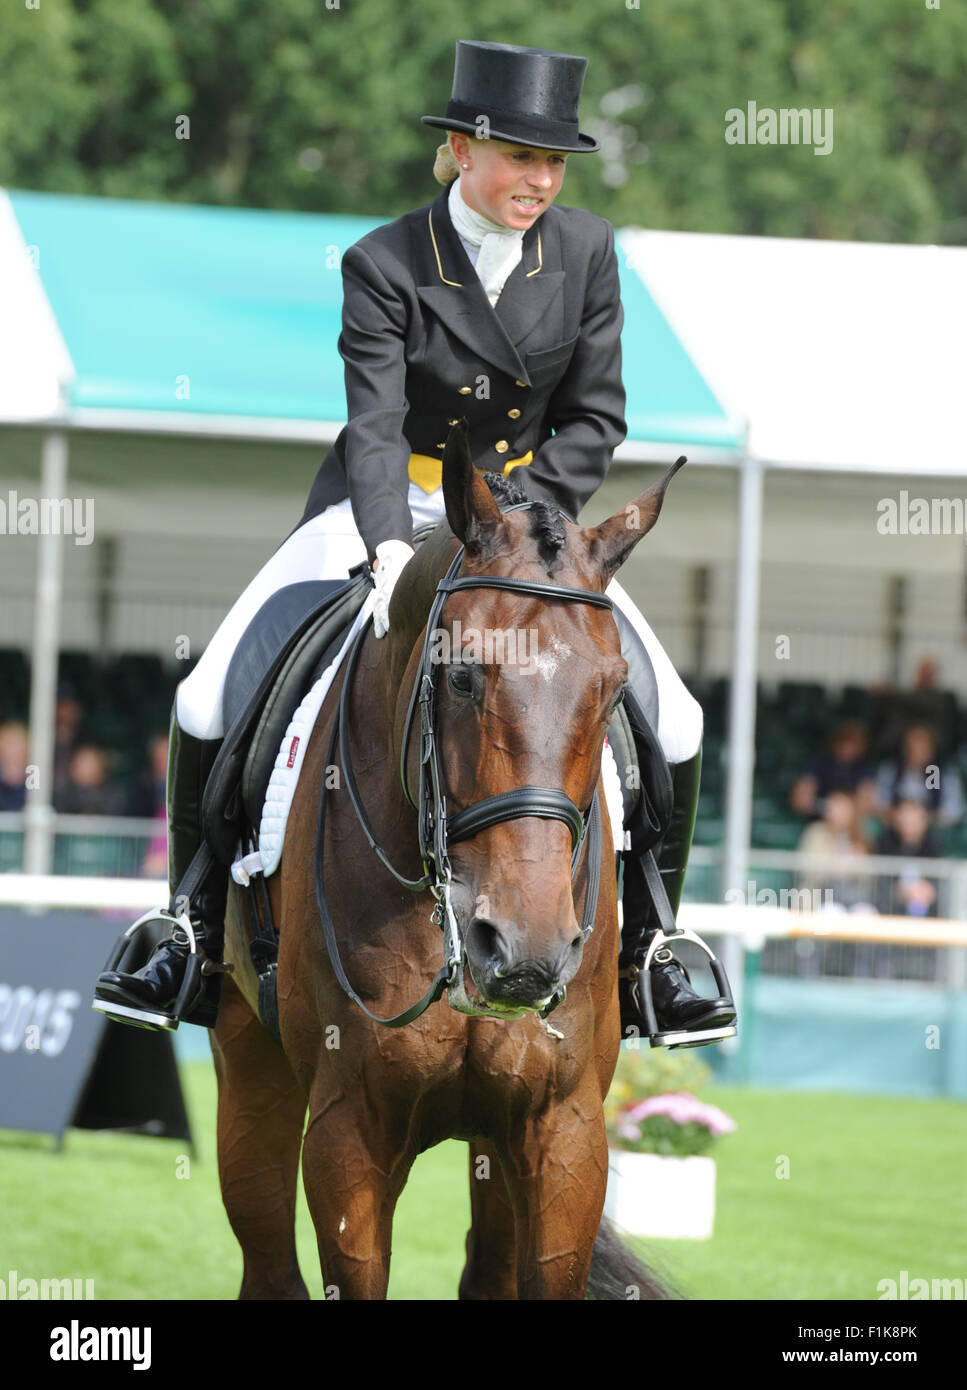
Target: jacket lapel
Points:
(532, 285)
(453, 291)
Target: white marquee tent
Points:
(826, 357)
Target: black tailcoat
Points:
(423, 346)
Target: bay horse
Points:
(523, 1089)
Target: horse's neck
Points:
(419, 581)
(389, 667)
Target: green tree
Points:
(315, 105)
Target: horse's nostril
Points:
(486, 942)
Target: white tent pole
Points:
(741, 740)
(741, 737)
(38, 811)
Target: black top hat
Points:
(529, 96)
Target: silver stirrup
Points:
(681, 1037)
(158, 1020)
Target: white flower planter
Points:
(653, 1195)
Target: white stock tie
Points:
(499, 248)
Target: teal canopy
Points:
(230, 311)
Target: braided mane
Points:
(546, 522)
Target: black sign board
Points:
(62, 1064)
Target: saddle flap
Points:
(273, 665)
(622, 744)
(275, 633)
(652, 814)
(641, 673)
(646, 779)
(314, 650)
(283, 615)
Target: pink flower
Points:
(682, 1108)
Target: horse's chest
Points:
(512, 1073)
(460, 1078)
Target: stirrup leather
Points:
(662, 936)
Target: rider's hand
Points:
(391, 556)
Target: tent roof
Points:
(35, 366)
(840, 354)
(172, 318)
(241, 308)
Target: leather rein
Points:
(436, 831)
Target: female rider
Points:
(494, 305)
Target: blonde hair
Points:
(445, 166)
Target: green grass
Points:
(875, 1186)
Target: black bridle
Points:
(435, 831)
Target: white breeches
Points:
(327, 547)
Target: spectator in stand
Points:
(88, 790)
(916, 775)
(146, 798)
(844, 767)
(146, 795)
(908, 835)
(155, 861)
(892, 711)
(13, 766)
(838, 834)
(68, 722)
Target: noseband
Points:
(436, 832)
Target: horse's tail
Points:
(616, 1273)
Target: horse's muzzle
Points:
(504, 975)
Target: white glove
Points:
(392, 557)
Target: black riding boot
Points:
(146, 997)
(677, 1006)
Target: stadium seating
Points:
(127, 699)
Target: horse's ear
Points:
(472, 509)
(613, 541)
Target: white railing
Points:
(812, 869)
(133, 827)
(753, 924)
(949, 873)
(41, 891)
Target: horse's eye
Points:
(461, 680)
